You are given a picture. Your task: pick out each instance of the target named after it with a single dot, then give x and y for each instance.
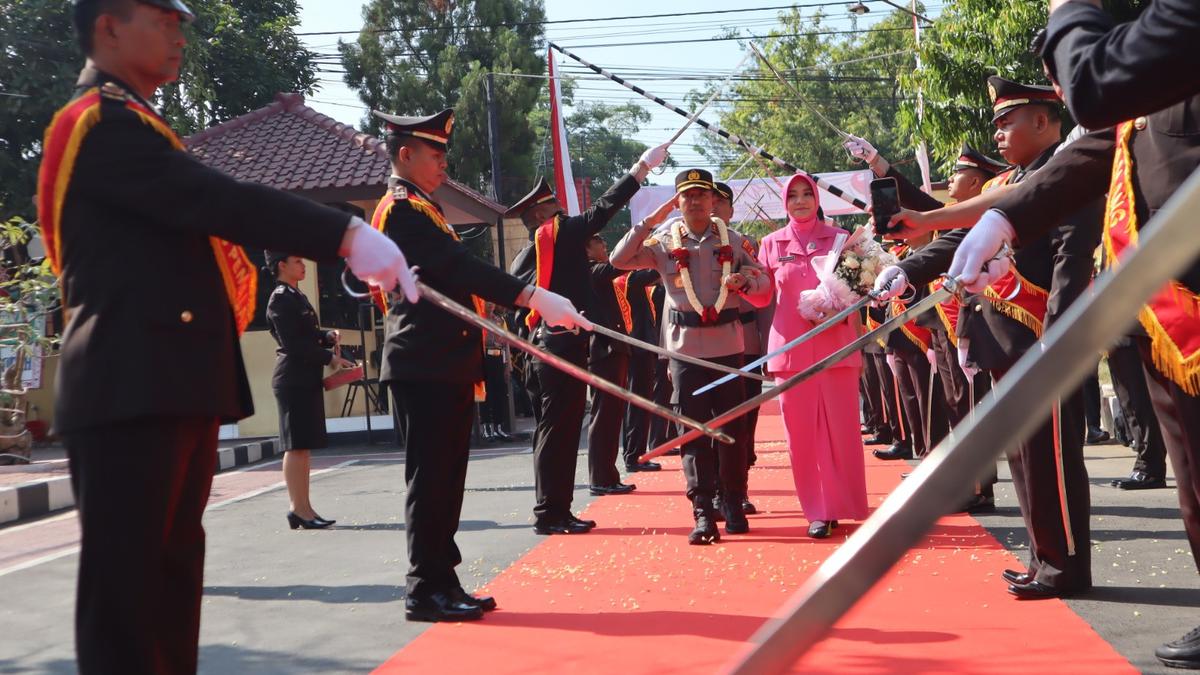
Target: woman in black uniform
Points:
(302, 354)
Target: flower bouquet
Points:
(845, 274)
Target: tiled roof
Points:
(290, 146)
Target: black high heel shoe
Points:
(296, 522)
(330, 522)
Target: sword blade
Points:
(629, 340)
(1166, 246)
(940, 295)
(812, 333)
(502, 334)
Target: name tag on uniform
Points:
(786, 258)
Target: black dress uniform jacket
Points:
(150, 330)
(425, 342)
(303, 346)
(607, 312)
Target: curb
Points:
(38, 498)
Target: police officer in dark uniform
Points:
(304, 351)
(433, 361)
(556, 260)
(998, 329)
(148, 369)
(1111, 75)
(639, 286)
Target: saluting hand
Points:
(660, 214)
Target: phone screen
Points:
(885, 201)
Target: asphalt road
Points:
(283, 601)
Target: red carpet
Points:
(633, 597)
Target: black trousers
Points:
(141, 488)
(753, 388)
(437, 421)
(637, 421)
(1129, 384)
(913, 378)
(494, 410)
(558, 400)
(704, 473)
(1091, 402)
(1060, 537)
(604, 428)
(870, 391)
(1179, 415)
(956, 392)
(893, 417)
(662, 430)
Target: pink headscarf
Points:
(802, 228)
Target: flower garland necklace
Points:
(682, 256)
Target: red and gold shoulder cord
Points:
(430, 210)
(620, 288)
(1172, 316)
(543, 251)
(918, 335)
(1013, 295)
(61, 145)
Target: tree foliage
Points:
(240, 54)
(970, 41)
(850, 80)
(415, 57)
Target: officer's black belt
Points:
(694, 320)
(748, 317)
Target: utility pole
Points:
(494, 148)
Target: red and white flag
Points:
(564, 181)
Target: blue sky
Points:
(713, 59)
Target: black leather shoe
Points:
(615, 489)
(589, 523)
(1096, 437)
(706, 531)
(980, 504)
(1140, 480)
(819, 529)
(1036, 590)
(440, 607)
(562, 527)
(879, 440)
(748, 508)
(735, 517)
(638, 466)
(485, 602)
(1181, 653)
(718, 510)
(1015, 577)
(897, 451)
(295, 521)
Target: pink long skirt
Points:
(820, 419)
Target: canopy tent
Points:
(765, 193)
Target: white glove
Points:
(989, 235)
(377, 260)
(891, 282)
(932, 357)
(859, 148)
(655, 156)
(964, 360)
(557, 310)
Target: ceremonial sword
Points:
(815, 331)
(941, 295)
(733, 138)
(436, 297)
(1059, 362)
(630, 340)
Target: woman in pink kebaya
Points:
(820, 416)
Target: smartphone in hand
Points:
(885, 202)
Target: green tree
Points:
(970, 41)
(849, 80)
(415, 57)
(240, 53)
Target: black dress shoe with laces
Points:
(640, 466)
(1096, 436)
(1181, 653)
(897, 451)
(1015, 577)
(614, 489)
(1140, 480)
(485, 602)
(440, 607)
(581, 521)
(1036, 590)
(706, 531)
(562, 527)
(748, 508)
(879, 440)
